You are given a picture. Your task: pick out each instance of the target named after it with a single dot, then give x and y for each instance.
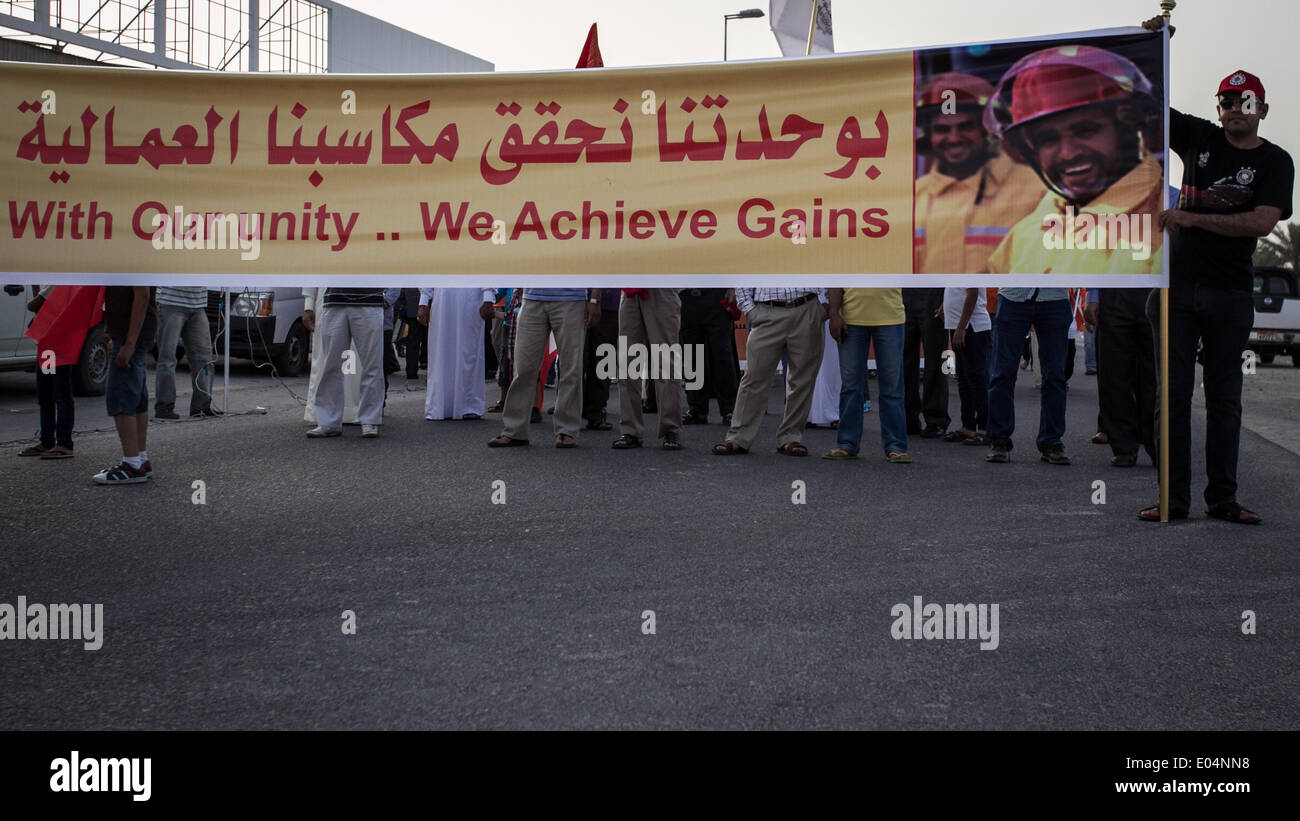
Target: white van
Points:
(1277, 315)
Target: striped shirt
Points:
(355, 297)
(747, 297)
(191, 298)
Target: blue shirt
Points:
(556, 294)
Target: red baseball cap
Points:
(1241, 82)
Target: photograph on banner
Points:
(1035, 159)
(689, 175)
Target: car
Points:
(265, 326)
(1277, 315)
(18, 351)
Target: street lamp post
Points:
(747, 14)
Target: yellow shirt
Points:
(873, 306)
(954, 234)
(1089, 239)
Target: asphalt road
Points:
(768, 614)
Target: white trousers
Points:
(342, 327)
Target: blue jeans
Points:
(190, 324)
(127, 393)
(888, 340)
(1009, 329)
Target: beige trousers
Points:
(771, 329)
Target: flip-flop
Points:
(838, 453)
(729, 449)
(793, 449)
(564, 440)
(506, 442)
(897, 457)
(626, 442)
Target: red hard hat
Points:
(1059, 79)
(966, 89)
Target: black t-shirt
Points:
(117, 315)
(1221, 179)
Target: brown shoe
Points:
(58, 452)
(35, 450)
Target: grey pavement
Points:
(768, 614)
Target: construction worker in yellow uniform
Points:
(1075, 115)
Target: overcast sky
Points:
(1214, 37)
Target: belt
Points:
(788, 303)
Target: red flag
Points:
(591, 51)
(64, 320)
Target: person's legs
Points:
(45, 402)
(65, 406)
(333, 321)
(595, 390)
(570, 328)
(720, 375)
(1226, 318)
(198, 353)
(1051, 319)
(888, 344)
(532, 329)
(1184, 331)
(366, 327)
(1071, 351)
(662, 318)
(977, 358)
(934, 387)
(170, 321)
(853, 379)
(805, 343)
(631, 326)
(1009, 328)
(767, 331)
(913, 332)
(1117, 360)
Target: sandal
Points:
(470, 417)
(1100, 438)
(793, 449)
(626, 442)
(1235, 513)
(504, 441)
(671, 442)
(728, 449)
(897, 457)
(498, 407)
(838, 453)
(599, 424)
(980, 439)
(1152, 514)
(692, 419)
(959, 435)
(564, 440)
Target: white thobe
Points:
(315, 301)
(826, 392)
(456, 382)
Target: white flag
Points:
(790, 19)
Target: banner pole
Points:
(812, 26)
(1166, 7)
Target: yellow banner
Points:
(771, 168)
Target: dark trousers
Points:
(973, 379)
(595, 391)
(926, 396)
(58, 410)
(390, 358)
(705, 322)
(1009, 327)
(1126, 371)
(417, 341)
(1221, 320)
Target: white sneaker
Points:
(369, 431)
(321, 433)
